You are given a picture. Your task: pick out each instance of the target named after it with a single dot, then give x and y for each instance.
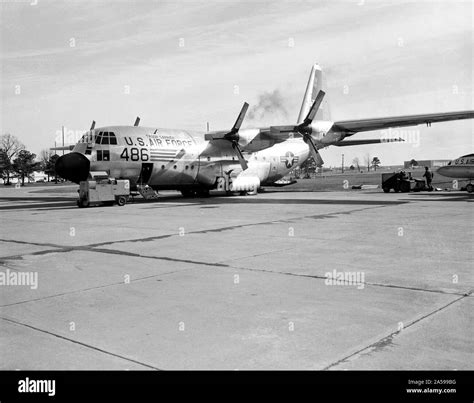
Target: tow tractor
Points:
(401, 182)
(99, 188)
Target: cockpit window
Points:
(106, 138)
(112, 138)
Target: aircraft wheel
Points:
(202, 193)
(188, 193)
(470, 188)
(386, 190)
(121, 200)
(83, 203)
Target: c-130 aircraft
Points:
(197, 162)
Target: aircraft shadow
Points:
(437, 196)
(207, 202)
(61, 203)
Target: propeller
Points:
(305, 128)
(92, 125)
(137, 121)
(233, 136)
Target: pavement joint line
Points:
(390, 336)
(52, 245)
(220, 264)
(460, 293)
(90, 289)
(81, 343)
(157, 237)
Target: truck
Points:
(99, 188)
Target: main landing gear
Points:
(188, 193)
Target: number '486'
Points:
(135, 154)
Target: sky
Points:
(180, 64)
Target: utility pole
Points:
(62, 130)
(342, 165)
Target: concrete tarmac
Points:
(244, 282)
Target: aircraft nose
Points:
(73, 166)
(441, 170)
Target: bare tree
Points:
(10, 146)
(45, 156)
(44, 161)
(368, 161)
(355, 162)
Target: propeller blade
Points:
(137, 121)
(234, 137)
(314, 109)
(314, 151)
(240, 118)
(240, 156)
(92, 125)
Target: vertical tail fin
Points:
(315, 84)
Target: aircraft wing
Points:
(363, 125)
(345, 143)
(65, 148)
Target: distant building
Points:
(426, 163)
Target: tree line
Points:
(17, 161)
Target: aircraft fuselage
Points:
(179, 159)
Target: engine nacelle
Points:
(319, 128)
(253, 140)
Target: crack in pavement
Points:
(388, 338)
(89, 346)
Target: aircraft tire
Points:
(188, 193)
(386, 190)
(82, 203)
(470, 188)
(202, 193)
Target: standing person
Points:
(428, 175)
